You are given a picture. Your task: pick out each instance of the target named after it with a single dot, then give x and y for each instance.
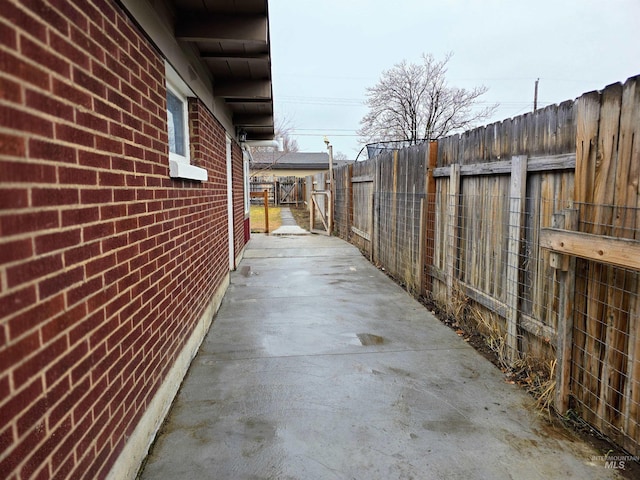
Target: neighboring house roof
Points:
(293, 161)
(290, 161)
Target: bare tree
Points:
(283, 129)
(413, 102)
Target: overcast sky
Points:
(325, 54)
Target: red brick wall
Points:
(106, 263)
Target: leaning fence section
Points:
(529, 229)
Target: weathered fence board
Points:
(400, 190)
(344, 198)
(547, 132)
(628, 226)
(281, 190)
(605, 372)
(452, 223)
(362, 184)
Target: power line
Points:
(320, 100)
(323, 130)
(321, 134)
(355, 101)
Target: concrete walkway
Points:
(289, 225)
(318, 366)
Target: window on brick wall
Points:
(180, 162)
(178, 126)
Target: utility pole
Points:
(330, 148)
(535, 96)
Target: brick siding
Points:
(106, 264)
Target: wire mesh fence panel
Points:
(399, 236)
(474, 230)
(438, 243)
(398, 203)
(477, 237)
(482, 239)
(547, 195)
(487, 255)
(605, 381)
(342, 202)
(605, 377)
(341, 213)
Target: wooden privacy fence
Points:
(281, 190)
(533, 224)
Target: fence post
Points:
(516, 214)
(566, 270)
(393, 267)
(330, 206)
(312, 210)
(349, 202)
(375, 211)
(454, 221)
(266, 211)
(421, 244)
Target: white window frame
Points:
(185, 125)
(180, 165)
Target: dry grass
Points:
(537, 376)
(257, 218)
(544, 388)
(488, 326)
(301, 215)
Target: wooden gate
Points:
(282, 190)
(290, 191)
